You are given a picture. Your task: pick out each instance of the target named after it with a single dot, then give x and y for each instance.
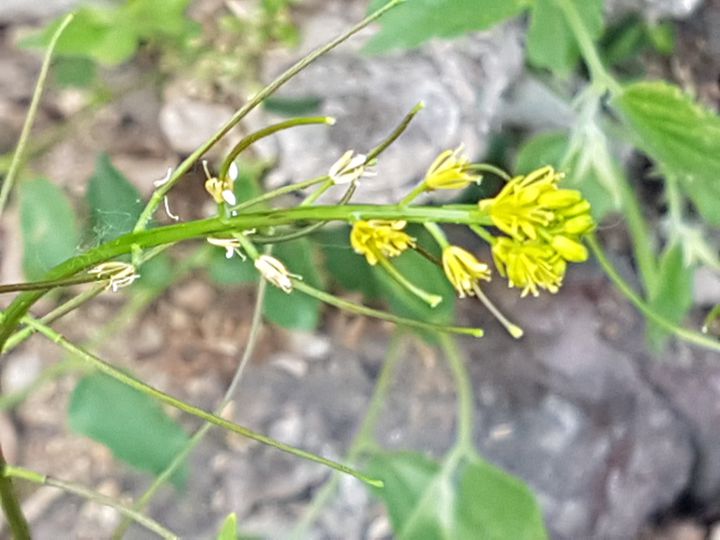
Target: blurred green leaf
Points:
(672, 297)
(296, 311)
(229, 531)
(682, 136)
(416, 21)
(115, 204)
(132, 425)
(74, 71)
(663, 37)
(624, 41)
(292, 106)
(49, 229)
(343, 265)
(155, 273)
(460, 501)
(232, 271)
(550, 41)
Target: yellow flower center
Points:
(380, 238)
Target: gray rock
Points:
(461, 83)
(653, 9)
(13, 11)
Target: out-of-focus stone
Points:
(653, 9)
(460, 81)
(14, 11)
(188, 123)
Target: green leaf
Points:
(672, 297)
(463, 500)
(74, 71)
(292, 106)
(343, 265)
(94, 33)
(416, 21)
(551, 43)
(115, 204)
(296, 311)
(229, 531)
(154, 274)
(49, 229)
(663, 37)
(132, 425)
(232, 271)
(679, 134)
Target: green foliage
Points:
(550, 41)
(672, 297)
(111, 35)
(74, 71)
(131, 424)
(683, 137)
(462, 500)
(115, 204)
(50, 232)
(417, 21)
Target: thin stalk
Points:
(32, 113)
(180, 457)
(50, 284)
(284, 190)
(483, 233)
(466, 401)
(363, 438)
(682, 333)
(402, 126)
(256, 100)
(430, 299)
(132, 382)
(10, 471)
(377, 314)
(486, 167)
(11, 505)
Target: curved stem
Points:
(11, 505)
(256, 100)
(486, 167)
(32, 113)
(176, 403)
(245, 142)
(70, 487)
(682, 333)
(466, 401)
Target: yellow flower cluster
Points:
(463, 270)
(378, 239)
(544, 224)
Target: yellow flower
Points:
(530, 204)
(450, 170)
(378, 239)
(530, 264)
(463, 270)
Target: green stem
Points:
(486, 167)
(32, 113)
(362, 440)
(377, 314)
(176, 403)
(438, 235)
(198, 436)
(284, 190)
(682, 333)
(598, 73)
(50, 284)
(414, 194)
(11, 505)
(483, 233)
(458, 214)
(466, 401)
(69, 487)
(256, 100)
(402, 126)
(265, 132)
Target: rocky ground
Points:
(618, 443)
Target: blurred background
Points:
(616, 431)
